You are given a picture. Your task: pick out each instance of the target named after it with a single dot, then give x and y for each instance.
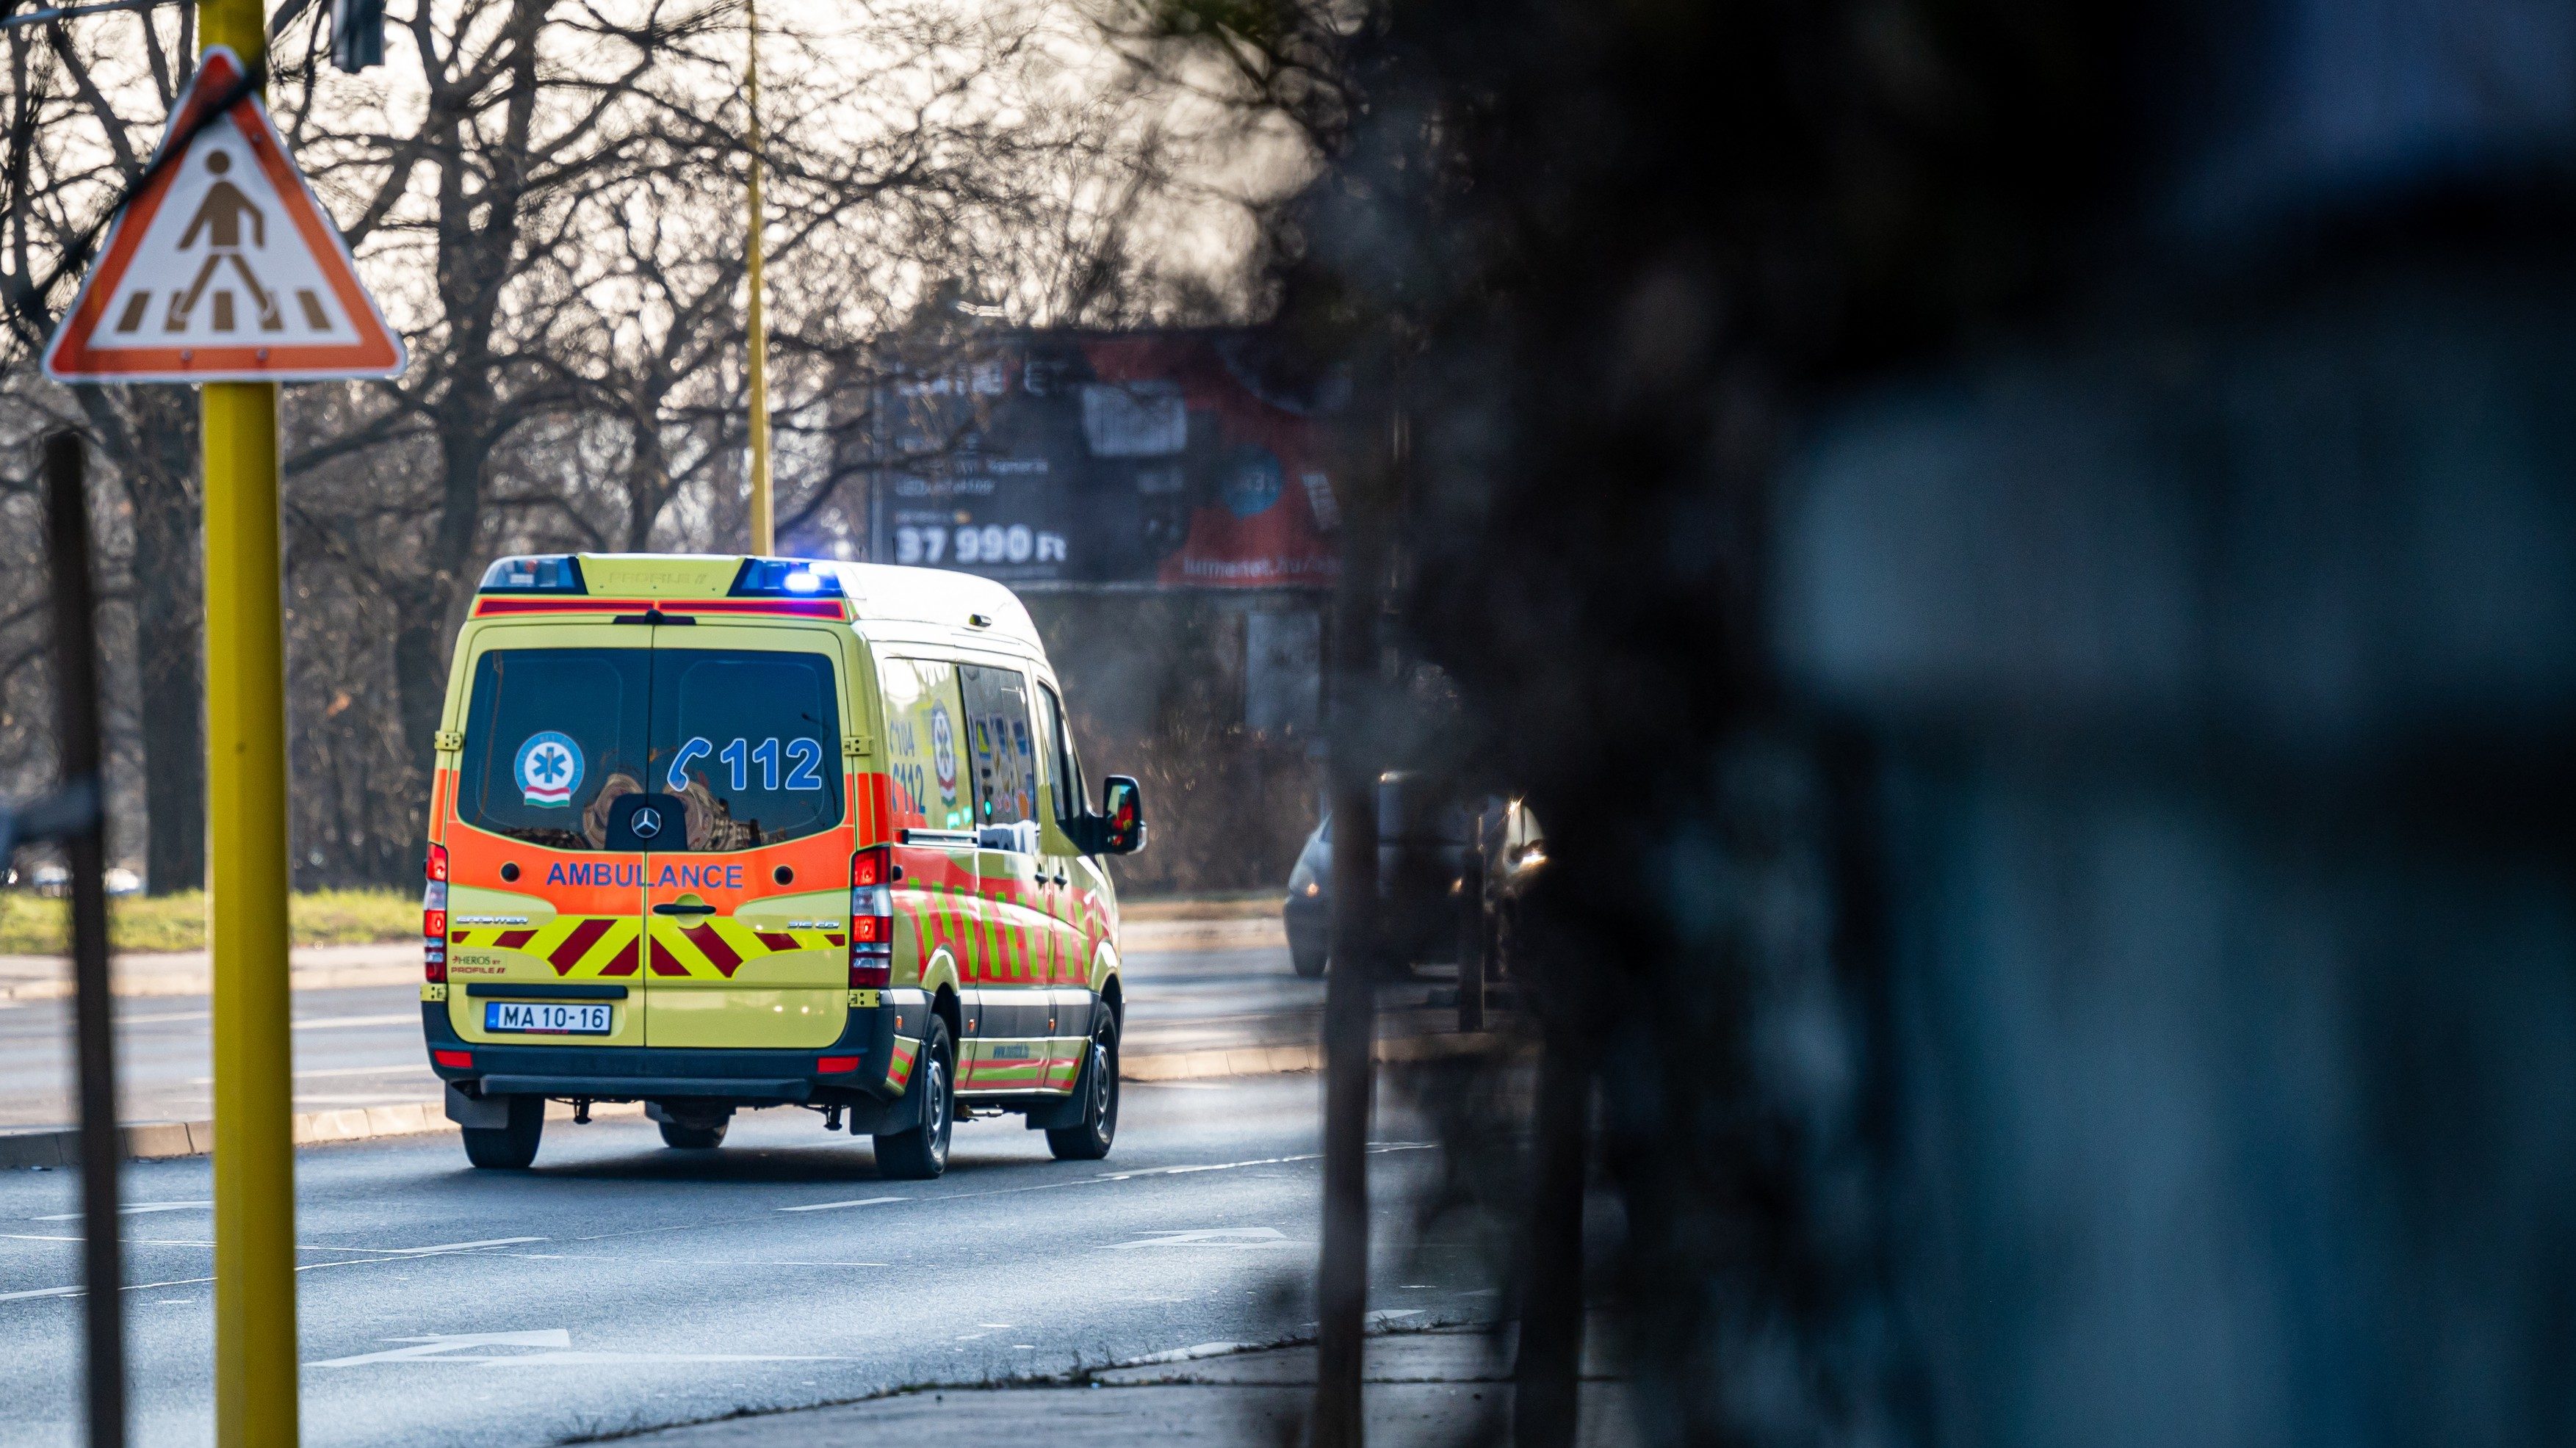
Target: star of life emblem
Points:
(549, 769)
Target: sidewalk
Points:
(338, 967)
(1434, 1389)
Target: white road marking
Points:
(421, 1067)
(637, 1359)
(1238, 1238)
(41, 1292)
(444, 1247)
(1375, 1149)
(334, 1023)
(1188, 1354)
(368, 1257)
(836, 1206)
(450, 1347)
(135, 1210)
(439, 1343)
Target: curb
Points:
(189, 973)
(165, 1140)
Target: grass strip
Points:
(37, 925)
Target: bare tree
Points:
(547, 199)
(78, 121)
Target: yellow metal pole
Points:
(254, 1162)
(764, 536)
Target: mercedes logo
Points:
(646, 824)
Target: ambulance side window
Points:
(923, 742)
(1064, 772)
(1001, 747)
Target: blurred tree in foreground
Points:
(2020, 552)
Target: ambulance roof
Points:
(877, 592)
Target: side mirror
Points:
(1122, 816)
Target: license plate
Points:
(538, 1018)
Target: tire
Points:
(1306, 952)
(512, 1147)
(694, 1138)
(1099, 1086)
(922, 1153)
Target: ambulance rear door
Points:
(748, 878)
(545, 910)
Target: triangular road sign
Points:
(223, 267)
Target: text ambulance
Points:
(717, 832)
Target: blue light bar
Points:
(786, 578)
(534, 573)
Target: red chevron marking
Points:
(719, 954)
(576, 945)
(624, 964)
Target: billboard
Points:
(1162, 458)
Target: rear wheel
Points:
(1091, 1140)
(694, 1138)
(512, 1147)
(922, 1153)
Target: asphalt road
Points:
(361, 1046)
(622, 1284)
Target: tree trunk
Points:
(152, 438)
(1350, 987)
(1548, 1373)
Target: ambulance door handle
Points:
(684, 910)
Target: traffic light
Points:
(357, 34)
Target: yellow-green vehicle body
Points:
(713, 832)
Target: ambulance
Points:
(720, 833)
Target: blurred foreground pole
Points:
(246, 878)
(1475, 930)
(764, 531)
(1547, 1374)
(85, 850)
(1350, 982)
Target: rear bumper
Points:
(654, 1073)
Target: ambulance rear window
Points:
(547, 731)
(751, 740)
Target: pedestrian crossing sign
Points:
(223, 268)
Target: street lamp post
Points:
(254, 1165)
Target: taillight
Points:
(872, 917)
(433, 919)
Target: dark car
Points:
(1308, 912)
(1428, 858)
